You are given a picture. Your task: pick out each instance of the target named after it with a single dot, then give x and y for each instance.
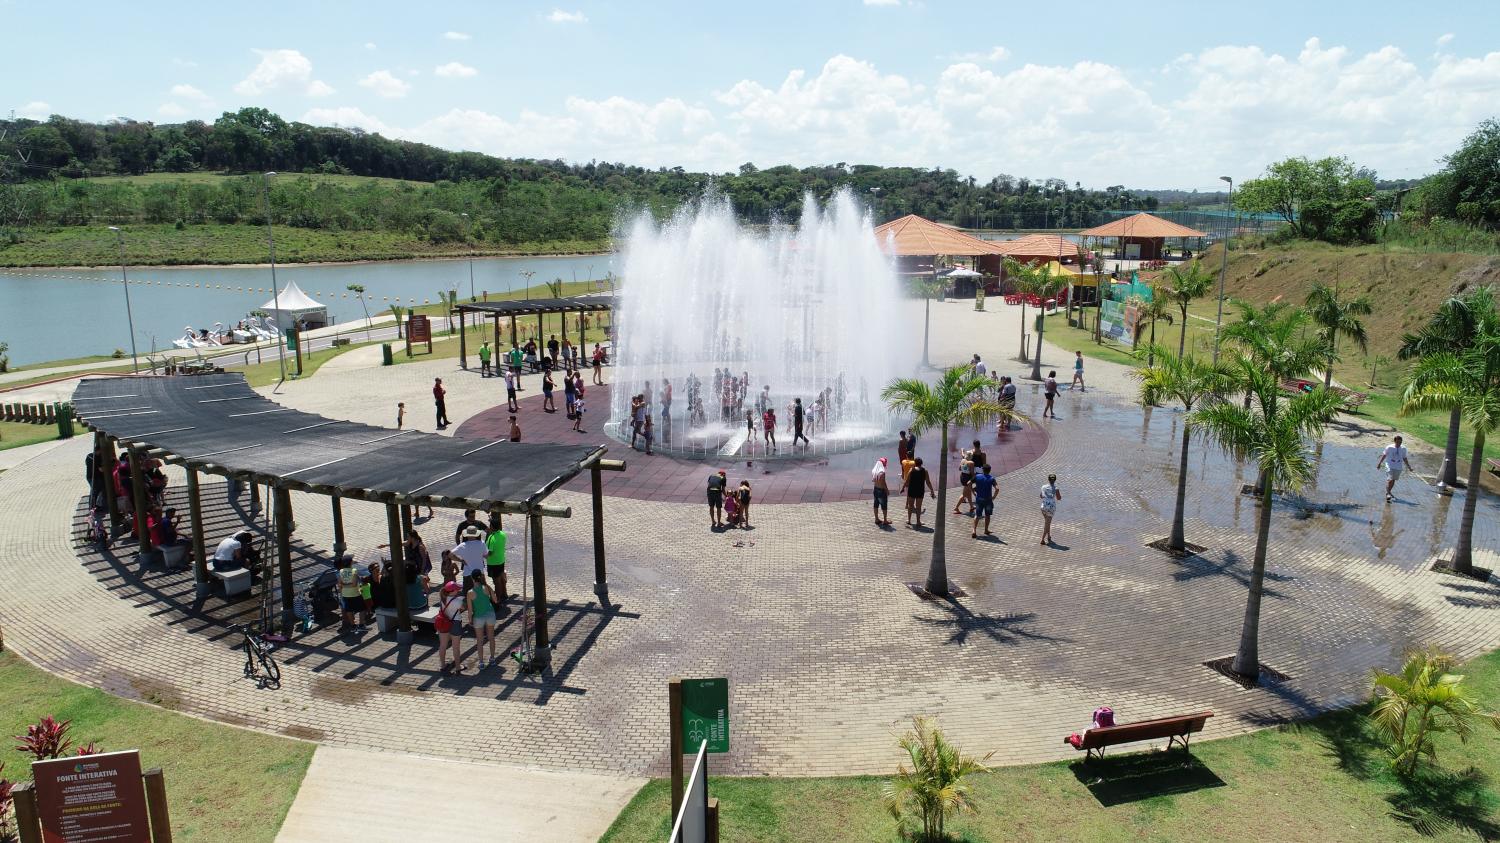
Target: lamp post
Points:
(471, 261)
(265, 192)
(1223, 268)
(527, 273)
(135, 367)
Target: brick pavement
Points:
(808, 616)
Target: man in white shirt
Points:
(471, 551)
(1394, 460)
(231, 552)
(979, 368)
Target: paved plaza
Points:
(807, 614)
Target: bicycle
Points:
(258, 657)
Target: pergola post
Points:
(406, 525)
(495, 322)
(541, 656)
(541, 337)
(138, 488)
(104, 464)
(254, 497)
(398, 573)
(339, 546)
(596, 484)
(463, 344)
(513, 341)
(282, 501)
(200, 553)
(581, 338)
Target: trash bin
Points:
(64, 413)
(385, 354)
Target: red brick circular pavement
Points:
(820, 479)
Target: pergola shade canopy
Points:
(536, 307)
(219, 425)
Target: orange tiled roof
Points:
(1039, 245)
(913, 235)
(1142, 225)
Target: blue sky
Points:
(1172, 97)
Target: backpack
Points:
(1104, 717)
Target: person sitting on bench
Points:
(234, 552)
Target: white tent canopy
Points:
(294, 305)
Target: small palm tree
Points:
(1182, 284)
(1150, 310)
(1470, 381)
(1339, 316)
(359, 292)
(1450, 329)
(1189, 381)
(958, 398)
(1272, 337)
(933, 786)
(399, 311)
(1426, 698)
(1021, 277)
(1044, 285)
(1273, 433)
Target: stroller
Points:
(316, 603)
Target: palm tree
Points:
(1274, 434)
(1338, 316)
(1044, 285)
(1470, 381)
(1182, 284)
(1021, 277)
(1150, 310)
(933, 786)
(958, 398)
(1272, 337)
(1426, 698)
(1189, 381)
(1450, 329)
(359, 292)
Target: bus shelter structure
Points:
(515, 309)
(216, 424)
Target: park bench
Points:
(1174, 729)
(235, 582)
(385, 619)
(1352, 400)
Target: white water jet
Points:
(808, 311)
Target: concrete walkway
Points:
(422, 798)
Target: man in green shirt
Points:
(494, 560)
(484, 359)
(515, 365)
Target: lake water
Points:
(49, 314)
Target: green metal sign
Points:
(705, 714)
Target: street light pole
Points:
(265, 185)
(527, 273)
(135, 367)
(1223, 269)
(471, 264)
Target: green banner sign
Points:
(705, 714)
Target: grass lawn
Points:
(166, 245)
(1322, 780)
(223, 784)
(16, 434)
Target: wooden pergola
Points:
(216, 424)
(516, 308)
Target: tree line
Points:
(50, 169)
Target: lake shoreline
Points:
(352, 262)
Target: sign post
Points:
(418, 329)
(699, 710)
(102, 797)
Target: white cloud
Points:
(347, 117)
(1228, 109)
(990, 56)
(454, 70)
(184, 63)
(172, 110)
(456, 36)
(559, 16)
(282, 70)
(370, 45)
(188, 92)
(385, 84)
(1445, 39)
(35, 110)
(882, 2)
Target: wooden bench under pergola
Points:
(217, 424)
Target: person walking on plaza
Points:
(510, 392)
(965, 479)
(570, 394)
(494, 558)
(578, 414)
(979, 368)
(798, 418)
(1078, 372)
(1050, 496)
(649, 432)
(515, 365)
(1049, 391)
(400, 414)
(716, 483)
(742, 496)
(598, 363)
(480, 604)
(449, 624)
(439, 396)
(484, 359)
(768, 427)
(351, 598)
(548, 385)
(882, 494)
(912, 485)
(552, 347)
(984, 500)
(1393, 460)
(515, 430)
